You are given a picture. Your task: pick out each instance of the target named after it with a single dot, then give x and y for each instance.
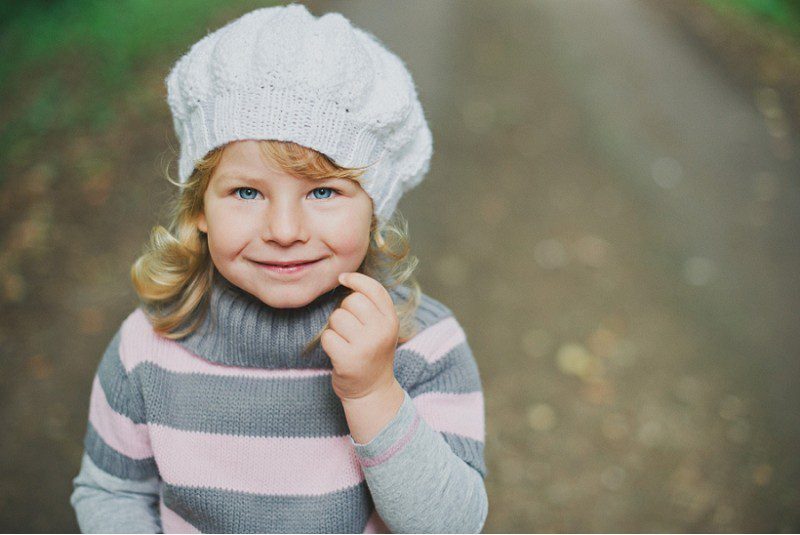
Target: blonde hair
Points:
(174, 275)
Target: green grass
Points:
(117, 34)
(784, 14)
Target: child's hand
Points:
(361, 338)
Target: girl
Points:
(280, 376)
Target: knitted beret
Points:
(281, 73)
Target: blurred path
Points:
(617, 224)
(718, 175)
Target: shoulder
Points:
(429, 312)
(440, 349)
(135, 339)
(437, 329)
(114, 376)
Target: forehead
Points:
(246, 159)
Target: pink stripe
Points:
(397, 446)
(117, 430)
(265, 465)
(141, 344)
(462, 414)
(172, 522)
(435, 341)
(375, 524)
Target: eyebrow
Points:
(234, 176)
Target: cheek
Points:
(352, 244)
(227, 232)
(348, 235)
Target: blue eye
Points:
(246, 193)
(249, 194)
(315, 190)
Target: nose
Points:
(285, 223)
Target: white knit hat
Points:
(281, 73)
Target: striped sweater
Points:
(232, 430)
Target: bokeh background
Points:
(612, 212)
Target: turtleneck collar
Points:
(241, 330)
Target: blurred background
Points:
(612, 213)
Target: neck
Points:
(240, 330)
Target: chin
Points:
(291, 298)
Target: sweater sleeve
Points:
(104, 503)
(117, 488)
(425, 468)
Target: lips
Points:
(289, 270)
(289, 264)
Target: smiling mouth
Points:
(288, 268)
(288, 264)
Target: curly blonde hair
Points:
(174, 275)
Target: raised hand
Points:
(361, 339)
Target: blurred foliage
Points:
(782, 13)
(66, 63)
(114, 34)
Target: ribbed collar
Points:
(240, 330)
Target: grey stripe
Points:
(455, 372)
(431, 311)
(468, 449)
(408, 365)
(302, 407)
(120, 391)
(220, 511)
(115, 463)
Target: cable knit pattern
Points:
(281, 73)
(236, 432)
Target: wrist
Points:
(368, 415)
(388, 389)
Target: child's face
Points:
(254, 213)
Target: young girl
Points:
(284, 372)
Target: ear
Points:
(202, 224)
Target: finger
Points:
(361, 307)
(345, 324)
(333, 343)
(373, 289)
